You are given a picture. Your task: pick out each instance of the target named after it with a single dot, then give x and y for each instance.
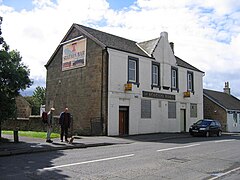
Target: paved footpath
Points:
(32, 145)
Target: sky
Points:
(206, 33)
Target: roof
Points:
(115, 42)
(107, 40)
(227, 101)
(149, 46)
(184, 64)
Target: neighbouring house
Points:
(24, 109)
(224, 107)
(115, 86)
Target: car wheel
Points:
(219, 133)
(207, 134)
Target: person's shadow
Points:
(30, 165)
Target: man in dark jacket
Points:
(64, 121)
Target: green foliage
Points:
(14, 76)
(37, 99)
(39, 95)
(32, 134)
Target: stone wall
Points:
(33, 123)
(213, 111)
(81, 90)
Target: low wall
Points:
(33, 123)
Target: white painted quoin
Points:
(158, 120)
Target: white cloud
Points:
(205, 33)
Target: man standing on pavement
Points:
(49, 124)
(64, 121)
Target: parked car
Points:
(206, 127)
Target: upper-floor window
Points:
(174, 78)
(190, 82)
(133, 72)
(155, 74)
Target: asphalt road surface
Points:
(182, 158)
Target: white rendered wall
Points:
(232, 126)
(159, 121)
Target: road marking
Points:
(86, 162)
(179, 147)
(223, 174)
(225, 140)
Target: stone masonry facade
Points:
(83, 90)
(24, 109)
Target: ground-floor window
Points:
(235, 117)
(171, 109)
(145, 108)
(193, 110)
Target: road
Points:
(181, 158)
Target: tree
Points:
(37, 99)
(39, 94)
(14, 76)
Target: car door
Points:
(213, 127)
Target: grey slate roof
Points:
(114, 42)
(184, 64)
(149, 46)
(122, 44)
(229, 102)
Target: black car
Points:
(206, 127)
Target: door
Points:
(123, 121)
(183, 120)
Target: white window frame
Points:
(190, 81)
(174, 78)
(155, 75)
(134, 79)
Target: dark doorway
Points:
(183, 120)
(123, 121)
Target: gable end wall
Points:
(214, 111)
(80, 89)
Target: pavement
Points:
(28, 145)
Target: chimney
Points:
(226, 89)
(164, 34)
(172, 46)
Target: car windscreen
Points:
(203, 122)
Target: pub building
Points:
(115, 86)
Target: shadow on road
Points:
(30, 166)
(181, 138)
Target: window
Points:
(171, 109)
(190, 81)
(155, 74)
(145, 108)
(174, 79)
(235, 117)
(133, 74)
(193, 110)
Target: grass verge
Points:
(32, 134)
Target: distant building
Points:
(224, 107)
(115, 86)
(24, 109)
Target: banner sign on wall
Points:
(74, 55)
